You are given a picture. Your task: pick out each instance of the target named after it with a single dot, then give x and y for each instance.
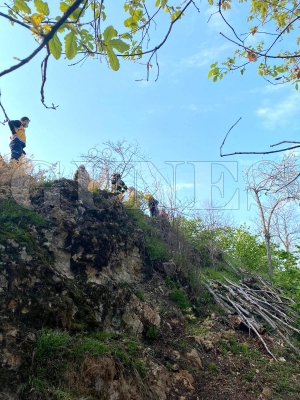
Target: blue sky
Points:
(182, 117)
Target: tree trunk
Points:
(268, 248)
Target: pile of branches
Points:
(256, 306)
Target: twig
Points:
(4, 112)
(227, 135)
(44, 78)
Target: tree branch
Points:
(4, 112)
(46, 38)
(44, 78)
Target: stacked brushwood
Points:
(254, 304)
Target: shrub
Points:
(152, 333)
(180, 298)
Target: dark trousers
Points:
(16, 147)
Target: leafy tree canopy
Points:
(82, 29)
(269, 38)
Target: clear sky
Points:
(183, 116)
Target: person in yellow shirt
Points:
(18, 137)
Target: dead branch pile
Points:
(257, 306)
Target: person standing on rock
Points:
(152, 205)
(18, 138)
(117, 185)
(82, 177)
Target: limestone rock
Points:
(194, 357)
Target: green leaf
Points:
(214, 65)
(63, 7)
(296, 86)
(211, 73)
(109, 33)
(70, 45)
(137, 15)
(42, 7)
(55, 47)
(113, 59)
(75, 14)
(22, 6)
(163, 3)
(119, 45)
(129, 23)
(157, 3)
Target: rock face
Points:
(78, 273)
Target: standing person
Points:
(117, 185)
(18, 137)
(152, 205)
(82, 177)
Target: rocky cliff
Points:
(82, 307)
(91, 307)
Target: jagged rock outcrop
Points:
(79, 272)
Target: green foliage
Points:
(232, 345)
(49, 341)
(179, 296)
(80, 31)
(122, 356)
(153, 242)
(288, 280)
(169, 366)
(57, 351)
(140, 295)
(213, 368)
(132, 348)
(171, 284)
(242, 245)
(13, 216)
(152, 333)
(92, 346)
(141, 368)
(279, 64)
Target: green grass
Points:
(49, 341)
(153, 242)
(152, 333)
(56, 351)
(179, 296)
(91, 346)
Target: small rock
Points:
(176, 354)
(56, 278)
(175, 367)
(267, 392)
(193, 356)
(281, 359)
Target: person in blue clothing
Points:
(18, 137)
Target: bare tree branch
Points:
(44, 78)
(227, 135)
(4, 112)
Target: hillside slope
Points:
(87, 314)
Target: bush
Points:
(180, 298)
(152, 333)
